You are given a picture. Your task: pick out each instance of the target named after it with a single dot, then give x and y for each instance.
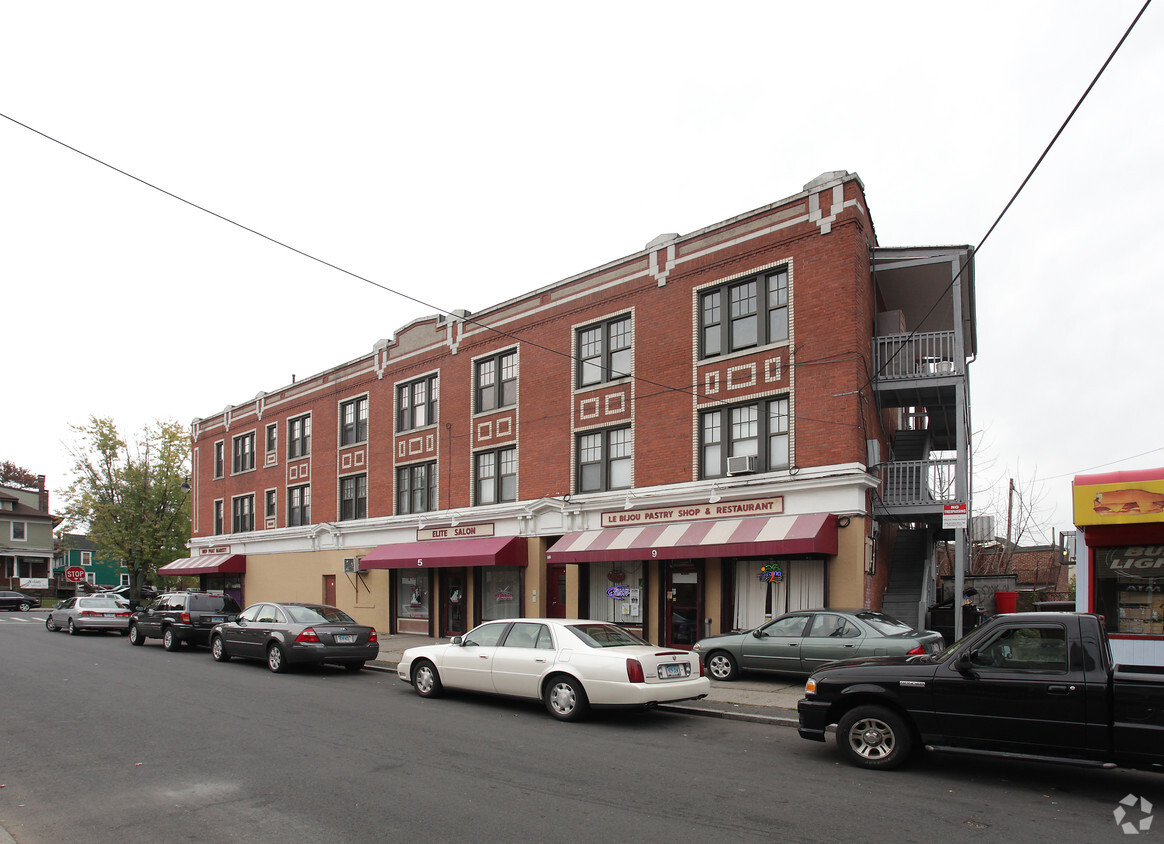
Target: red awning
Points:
(437, 553)
(783, 535)
(207, 564)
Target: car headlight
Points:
(810, 686)
(695, 647)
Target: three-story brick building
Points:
(683, 441)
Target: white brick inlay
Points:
(589, 408)
(749, 369)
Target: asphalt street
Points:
(104, 742)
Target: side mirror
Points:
(456, 640)
(964, 665)
(759, 634)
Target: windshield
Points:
(884, 624)
(310, 615)
(605, 635)
(99, 603)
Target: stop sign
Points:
(75, 574)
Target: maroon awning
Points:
(754, 537)
(207, 564)
(437, 553)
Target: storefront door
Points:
(682, 604)
(555, 591)
(453, 601)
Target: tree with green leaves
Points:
(128, 496)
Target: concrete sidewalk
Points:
(769, 699)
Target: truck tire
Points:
(874, 737)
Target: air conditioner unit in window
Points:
(352, 565)
(742, 465)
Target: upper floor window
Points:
(218, 528)
(742, 314)
(354, 497)
(271, 504)
(219, 461)
(416, 488)
(759, 430)
(604, 351)
(496, 476)
(299, 436)
(497, 381)
(299, 505)
(19, 531)
(354, 421)
(272, 437)
(86, 558)
(604, 460)
(416, 403)
(243, 514)
(244, 453)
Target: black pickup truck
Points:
(1027, 685)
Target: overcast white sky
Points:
(468, 152)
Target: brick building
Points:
(684, 440)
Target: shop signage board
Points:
(458, 532)
(773, 506)
(1124, 502)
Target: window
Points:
(604, 460)
(497, 381)
(1129, 589)
(528, 634)
(299, 437)
(219, 463)
(742, 314)
(243, 514)
(416, 403)
(1037, 648)
(604, 351)
(497, 476)
(244, 453)
(299, 505)
(272, 437)
(354, 497)
(86, 558)
(218, 529)
(354, 421)
(416, 490)
(759, 430)
(271, 501)
(20, 531)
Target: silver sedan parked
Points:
(89, 612)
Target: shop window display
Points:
(616, 592)
(1129, 591)
(500, 592)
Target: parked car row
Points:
(281, 634)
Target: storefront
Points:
(443, 587)
(674, 580)
(1121, 576)
(216, 572)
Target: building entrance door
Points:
(329, 589)
(453, 600)
(682, 604)
(555, 591)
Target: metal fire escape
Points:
(925, 337)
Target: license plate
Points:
(110, 615)
(671, 670)
(345, 638)
(215, 619)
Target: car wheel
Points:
(50, 625)
(135, 637)
(565, 698)
(218, 650)
(25, 606)
(354, 666)
(722, 666)
(426, 680)
(874, 737)
(276, 658)
(170, 640)
(73, 631)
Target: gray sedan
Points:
(800, 642)
(89, 612)
(285, 634)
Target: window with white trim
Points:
(416, 488)
(496, 475)
(743, 314)
(604, 460)
(604, 351)
(416, 403)
(353, 497)
(244, 453)
(354, 421)
(759, 429)
(299, 436)
(242, 514)
(497, 381)
(299, 505)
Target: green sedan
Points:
(801, 642)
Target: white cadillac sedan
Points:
(569, 664)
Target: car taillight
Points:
(918, 651)
(372, 637)
(308, 635)
(184, 618)
(84, 613)
(634, 671)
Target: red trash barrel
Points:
(1006, 601)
